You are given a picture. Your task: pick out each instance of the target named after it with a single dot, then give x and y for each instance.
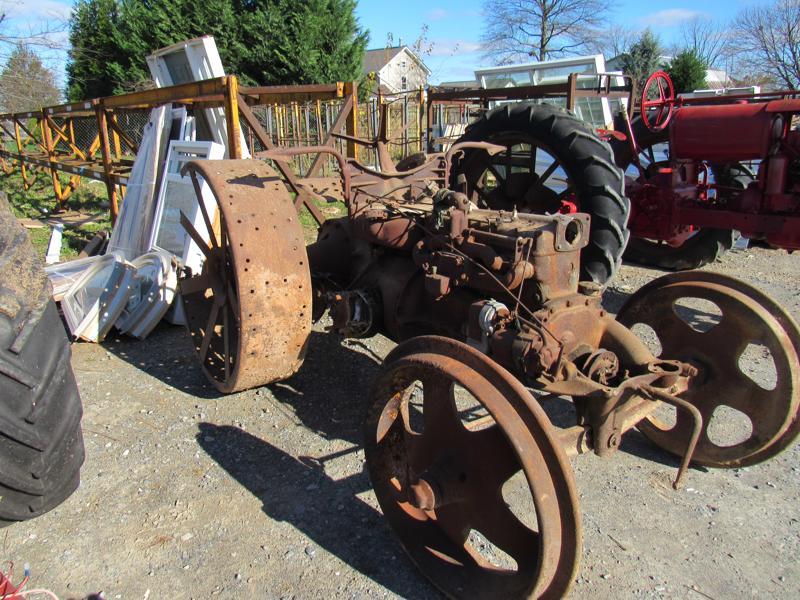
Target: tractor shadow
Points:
(166, 354)
(298, 491)
(330, 392)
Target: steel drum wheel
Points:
(747, 316)
(438, 485)
(249, 309)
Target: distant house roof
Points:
(469, 84)
(375, 60)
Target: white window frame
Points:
(192, 256)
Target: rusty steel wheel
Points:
(746, 350)
(469, 474)
(249, 309)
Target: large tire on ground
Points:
(41, 445)
(702, 248)
(596, 184)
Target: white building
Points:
(396, 69)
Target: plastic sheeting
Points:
(153, 292)
(98, 297)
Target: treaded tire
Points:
(588, 162)
(41, 445)
(704, 247)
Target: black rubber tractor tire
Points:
(704, 247)
(587, 161)
(41, 444)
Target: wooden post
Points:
(232, 117)
(105, 151)
(115, 136)
(22, 168)
(341, 119)
(49, 146)
(572, 85)
(421, 119)
(351, 126)
(319, 122)
(71, 131)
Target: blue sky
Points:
(455, 26)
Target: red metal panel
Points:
(784, 106)
(723, 133)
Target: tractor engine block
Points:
(505, 282)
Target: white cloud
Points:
(437, 14)
(445, 47)
(670, 16)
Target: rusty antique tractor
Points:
(496, 315)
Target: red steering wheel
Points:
(658, 93)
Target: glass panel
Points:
(178, 196)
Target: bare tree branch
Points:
(615, 40)
(768, 42)
(518, 30)
(709, 40)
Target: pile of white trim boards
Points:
(133, 284)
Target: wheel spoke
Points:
(233, 300)
(497, 462)
(530, 195)
(439, 408)
(548, 172)
(503, 529)
(201, 202)
(441, 426)
(719, 336)
(500, 179)
(198, 239)
(672, 331)
(533, 159)
(208, 333)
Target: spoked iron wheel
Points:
(746, 350)
(467, 471)
(249, 309)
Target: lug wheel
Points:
(467, 471)
(553, 162)
(249, 307)
(746, 350)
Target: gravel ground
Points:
(186, 494)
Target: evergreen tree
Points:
(25, 83)
(643, 58)
(688, 72)
(341, 42)
(268, 42)
(93, 48)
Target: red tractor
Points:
(698, 171)
(704, 168)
